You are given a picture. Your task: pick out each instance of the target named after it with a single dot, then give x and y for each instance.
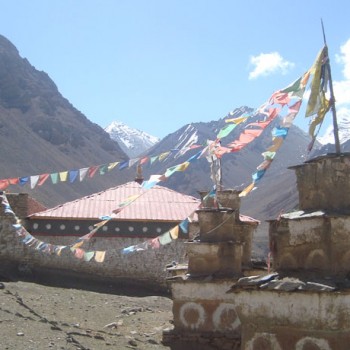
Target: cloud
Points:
(268, 63)
(342, 87)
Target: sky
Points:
(158, 65)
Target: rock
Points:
(111, 325)
(132, 342)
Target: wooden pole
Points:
(332, 98)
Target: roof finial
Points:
(139, 176)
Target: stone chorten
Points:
(218, 256)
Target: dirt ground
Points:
(38, 317)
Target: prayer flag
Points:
(92, 171)
(226, 130)
(13, 181)
(42, 178)
(100, 256)
(33, 181)
(174, 232)
(247, 190)
(78, 245)
(144, 160)
(128, 250)
(103, 169)
(154, 243)
(316, 86)
(165, 238)
(111, 166)
(23, 180)
(79, 253)
(82, 173)
(63, 176)
(163, 156)
(4, 184)
(184, 225)
(73, 174)
(123, 165)
(88, 256)
(54, 178)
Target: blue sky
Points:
(158, 65)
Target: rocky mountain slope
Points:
(275, 193)
(41, 132)
(132, 141)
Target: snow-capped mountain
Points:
(132, 141)
(343, 119)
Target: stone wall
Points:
(146, 268)
(261, 319)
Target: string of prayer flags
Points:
(280, 132)
(48, 248)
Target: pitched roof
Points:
(158, 204)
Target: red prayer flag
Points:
(42, 179)
(92, 171)
(13, 181)
(4, 184)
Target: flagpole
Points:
(332, 99)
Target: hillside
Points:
(276, 191)
(41, 132)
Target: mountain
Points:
(41, 132)
(132, 141)
(327, 140)
(275, 193)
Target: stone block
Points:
(323, 183)
(224, 259)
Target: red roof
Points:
(158, 204)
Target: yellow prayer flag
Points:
(111, 166)
(236, 120)
(247, 190)
(316, 70)
(63, 176)
(78, 245)
(174, 232)
(277, 143)
(163, 156)
(183, 166)
(100, 256)
(101, 223)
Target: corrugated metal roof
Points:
(159, 204)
